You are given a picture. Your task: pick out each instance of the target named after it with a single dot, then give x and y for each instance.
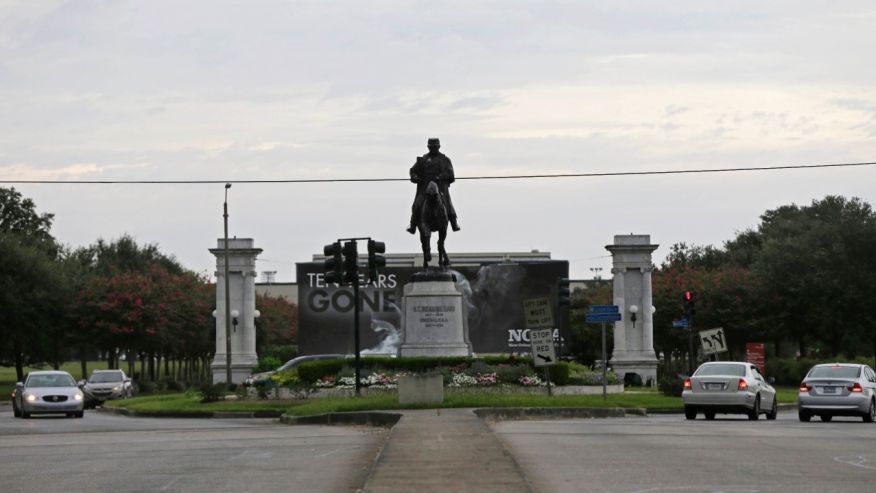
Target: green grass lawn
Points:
(190, 402)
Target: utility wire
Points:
(485, 177)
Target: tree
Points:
(32, 287)
(818, 267)
(278, 323)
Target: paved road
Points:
(102, 452)
(663, 454)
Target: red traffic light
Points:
(688, 296)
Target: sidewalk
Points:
(444, 450)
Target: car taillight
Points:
(743, 385)
(856, 388)
(687, 385)
(804, 387)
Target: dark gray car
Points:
(104, 385)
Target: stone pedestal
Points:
(634, 333)
(435, 322)
(242, 274)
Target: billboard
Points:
(493, 293)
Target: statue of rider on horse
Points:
(433, 209)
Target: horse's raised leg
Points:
(427, 251)
(443, 259)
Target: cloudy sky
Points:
(283, 90)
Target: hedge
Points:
(790, 371)
(312, 371)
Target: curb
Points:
(371, 418)
(217, 414)
(511, 413)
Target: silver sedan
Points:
(838, 390)
(47, 392)
(729, 388)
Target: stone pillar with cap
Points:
(634, 333)
(242, 274)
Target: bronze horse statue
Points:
(433, 218)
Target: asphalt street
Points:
(662, 454)
(103, 452)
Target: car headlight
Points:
(117, 388)
(77, 397)
(30, 397)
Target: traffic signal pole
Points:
(356, 333)
(342, 267)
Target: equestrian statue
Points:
(432, 209)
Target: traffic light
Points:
(375, 260)
(333, 264)
(351, 262)
(688, 300)
(563, 295)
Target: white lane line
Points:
(857, 461)
(330, 452)
(169, 484)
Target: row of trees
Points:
(117, 299)
(803, 280)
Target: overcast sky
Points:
(222, 90)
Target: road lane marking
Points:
(857, 461)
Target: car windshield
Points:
(50, 381)
(835, 371)
(105, 377)
(732, 370)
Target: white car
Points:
(48, 392)
(729, 387)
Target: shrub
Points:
(264, 387)
(671, 386)
(511, 374)
(282, 352)
(168, 383)
(212, 392)
(311, 371)
(146, 387)
(268, 363)
(560, 373)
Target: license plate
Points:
(830, 390)
(714, 386)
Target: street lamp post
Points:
(227, 294)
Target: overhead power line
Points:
(484, 177)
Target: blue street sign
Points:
(680, 324)
(602, 317)
(604, 309)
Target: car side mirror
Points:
(771, 380)
(81, 383)
(19, 385)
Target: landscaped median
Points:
(190, 405)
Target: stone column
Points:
(647, 316)
(620, 336)
(241, 272)
(634, 341)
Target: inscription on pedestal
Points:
(435, 322)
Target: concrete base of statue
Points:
(239, 371)
(645, 367)
(435, 321)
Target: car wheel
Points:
(826, 417)
(754, 414)
(804, 416)
(15, 412)
(690, 412)
(774, 411)
(80, 414)
(871, 414)
(25, 415)
(710, 415)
